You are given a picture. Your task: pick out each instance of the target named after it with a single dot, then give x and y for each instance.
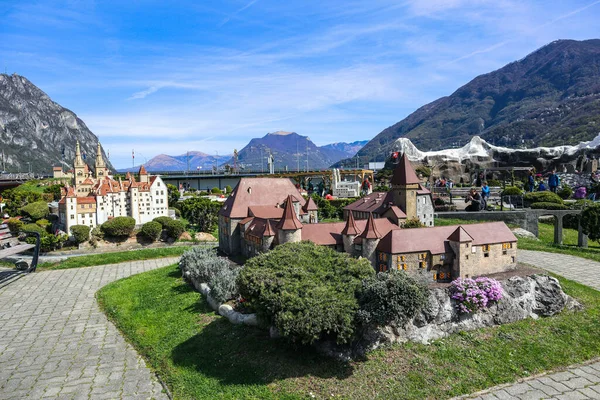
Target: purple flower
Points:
(473, 294)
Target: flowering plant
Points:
(473, 294)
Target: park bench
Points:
(12, 243)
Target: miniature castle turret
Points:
(349, 233)
(370, 239)
(100, 165)
(461, 243)
(289, 226)
(405, 185)
(79, 166)
(143, 175)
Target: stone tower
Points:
(79, 166)
(464, 261)
(405, 185)
(289, 228)
(100, 165)
(349, 234)
(370, 239)
(143, 175)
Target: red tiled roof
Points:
(289, 221)
(261, 228)
(87, 181)
(265, 212)
(459, 235)
(310, 205)
(269, 229)
(376, 202)
(258, 192)
(143, 170)
(404, 174)
(435, 240)
(398, 213)
(330, 233)
(86, 200)
(371, 231)
(423, 190)
(350, 227)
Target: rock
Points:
(204, 237)
(520, 232)
(185, 236)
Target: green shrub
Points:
(201, 262)
(33, 228)
(216, 190)
(97, 233)
(55, 191)
(43, 223)
(81, 233)
(118, 227)
(494, 182)
(512, 191)
(223, 283)
(413, 223)
(306, 291)
(14, 224)
(542, 197)
(590, 222)
(51, 242)
(172, 195)
(423, 170)
(565, 192)
(228, 189)
(163, 221)
(548, 206)
(201, 212)
(390, 297)
(177, 211)
(37, 210)
(174, 228)
(151, 230)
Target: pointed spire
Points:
(460, 235)
(78, 159)
(350, 228)
(143, 170)
(370, 231)
(99, 159)
(268, 229)
(290, 220)
(310, 205)
(404, 174)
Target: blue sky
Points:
(167, 77)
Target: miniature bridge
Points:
(526, 218)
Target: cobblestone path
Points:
(576, 382)
(56, 343)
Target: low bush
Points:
(590, 222)
(565, 192)
(97, 233)
(216, 190)
(43, 223)
(151, 230)
(228, 189)
(223, 282)
(390, 297)
(512, 191)
(81, 233)
(174, 228)
(543, 197)
(37, 210)
(33, 228)
(118, 227)
(163, 221)
(306, 291)
(548, 206)
(413, 223)
(474, 294)
(201, 212)
(14, 224)
(494, 182)
(177, 211)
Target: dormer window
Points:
(249, 190)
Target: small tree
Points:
(119, 227)
(413, 223)
(173, 195)
(81, 233)
(590, 222)
(151, 230)
(201, 212)
(228, 189)
(163, 221)
(55, 191)
(174, 228)
(14, 224)
(37, 210)
(215, 190)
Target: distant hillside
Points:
(183, 162)
(35, 130)
(290, 151)
(349, 149)
(551, 97)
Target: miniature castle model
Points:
(343, 189)
(264, 212)
(96, 197)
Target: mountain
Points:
(349, 149)
(550, 97)
(290, 152)
(189, 161)
(35, 130)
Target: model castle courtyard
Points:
(94, 197)
(264, 212)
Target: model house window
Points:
(422, 256)
(72, 217)
(486, 247)
(443, 257)
(358, 247)
(401, 258)
(422, 264)
(382, 267)
(402, 266)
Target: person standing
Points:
(553, 181)
(531, 181)
(485, 194)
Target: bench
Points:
(11, 243)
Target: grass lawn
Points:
(202, 356)
(113, 258)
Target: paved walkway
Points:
(56, 343)
(576, 382)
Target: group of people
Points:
(537, 182)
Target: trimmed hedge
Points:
(163, 221)
(549, 206)
(37, 210)
(512, 191)
(174, 228)
(543, 197)
(14, 224)
(565, 192)
(118, 227)
(306, 291)
(81, 233)
(151, 230)
(590, 222)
